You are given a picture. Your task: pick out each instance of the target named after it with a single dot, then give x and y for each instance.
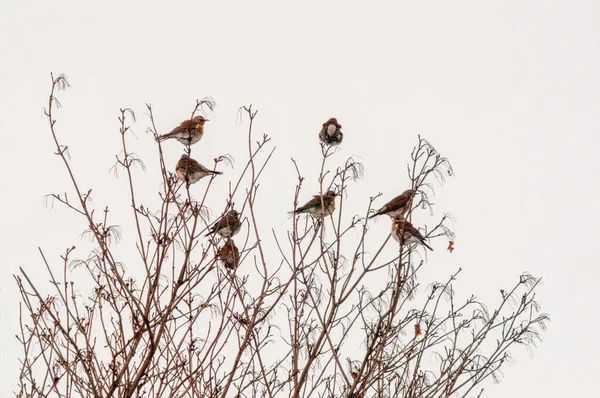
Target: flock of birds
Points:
(191, 171)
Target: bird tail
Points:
(301, 209)
(426, 245)
(373, 215)
(163, 137)
(216, 172)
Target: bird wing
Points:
(186, 125)
(414, 232)
(407, 227)
(396, 203)
(393, 205)
(222, 223)
(314, 202)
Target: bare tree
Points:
(318, 311)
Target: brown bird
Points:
(398, 206)
(191, 171)
(228, 225)
(188, 132)
(405, 233)
(229, 255)
(315, 206)
(331, 133)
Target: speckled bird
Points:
(331, 132)
(227, 226)
(315, 206)
(398, 206)
(190, 171)
(229, 255)
(188, 132)
(405, 233)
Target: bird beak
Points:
(206, 120)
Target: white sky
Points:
(509, 91)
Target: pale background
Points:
(509, 91)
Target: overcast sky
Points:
(508, 90)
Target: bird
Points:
(188, 132)
(229, 255)
(405, 233)
(398, 206)
(190, 171)
(331, 133)
(315, 206)
(227, 226)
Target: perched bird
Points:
(331, 133)
(398, 206)
(191, 171)
(405, 233)
(188, 132)
(229, 255)
(315, 206)
(228, 225)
